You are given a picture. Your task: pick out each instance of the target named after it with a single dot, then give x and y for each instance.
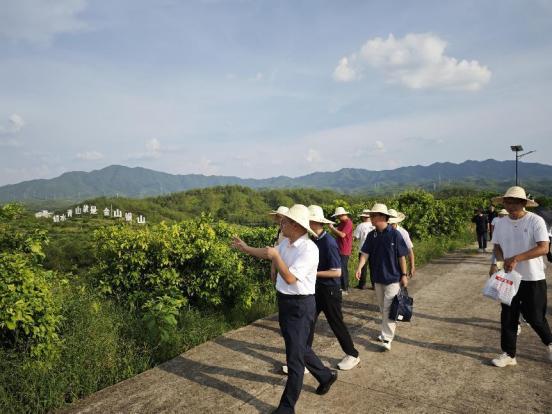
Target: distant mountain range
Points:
(141, 182)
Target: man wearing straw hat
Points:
(296, 259)
(277, 217)
(394, 221)
(344, 234)
(385, 251)
(520, 240)
(328, 293)
(360, 233)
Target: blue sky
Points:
(263, 88)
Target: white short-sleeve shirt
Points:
(406, 237)
(361, 231)
(495, 220)
(519, 236)
(301, 257)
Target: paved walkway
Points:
(439, 363)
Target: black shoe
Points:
(360, 287)
(324, 388)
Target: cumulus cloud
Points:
(344, 72)
(90, 156)
(152, 152)
(416, 61)
(13, 126)
(38, 21)
(313, 156)
(379, 146)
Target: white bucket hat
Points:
(381, 209)
(281, 210)
(317, 214)
(396, 217)
(515, 192)
(340, 211)
(365, 213)
(300, 214)
(503, 212)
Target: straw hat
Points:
(396, 217)
(503, 212)
(340, 211)
(381, 209)
(365, 213)
(515, 192)
(317, 214)
(281, 210)
(300, 214)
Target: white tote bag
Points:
(502, 286)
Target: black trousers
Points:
(296, 317)
(363, 273)
(344, 272)
(482, 240)
(531, 302)
(328, 300)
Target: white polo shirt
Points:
(301, 257)
(519, 236)
(361, 231)
(406, 236)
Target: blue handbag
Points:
(402, 306)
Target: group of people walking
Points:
(310, 272)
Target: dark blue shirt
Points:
(383, 250)
(328, 254)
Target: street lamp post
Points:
(517, 149)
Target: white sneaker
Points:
(550, 352)
(504, 360)
(519, 329)
(384, 343)
(349, 362)
(285, 369)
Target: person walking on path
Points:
(521, 240)
(277, 217)
(360, 233)
(386, 253)
(296, 259)
(481, 228)
(491, 215)
(344, 235)
(328, 292)
(394, 221)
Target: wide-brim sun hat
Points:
(340, 211)
(503, 212)
(515, 192)
(396, 216)
(365, 213)
(300, 214)
(317, 214)
(381, 209)
(281, 210)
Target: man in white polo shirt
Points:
(296, 259)
(394, 221)
(360, 233)
(520, 240)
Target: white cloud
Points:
(90, 156)
(379, 146)
(313, 156)
(14, 125)
(153, 145)
(416, 61)
(344, 72)
(153, 151)
(38, 21)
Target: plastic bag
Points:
(502, 286)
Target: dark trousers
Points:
(296, 317)
(531, 302)
(363, 273)
(344, 272)
(328, 300)
(482, 240)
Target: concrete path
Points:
(439, 363)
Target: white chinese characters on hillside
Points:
(78, 210)
(117, 213)
(106, 212)
(141, 219)
(43, 214)
(93, 210)
(69, 213)
(128, 216)
(85, 208)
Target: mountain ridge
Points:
(142, 182)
